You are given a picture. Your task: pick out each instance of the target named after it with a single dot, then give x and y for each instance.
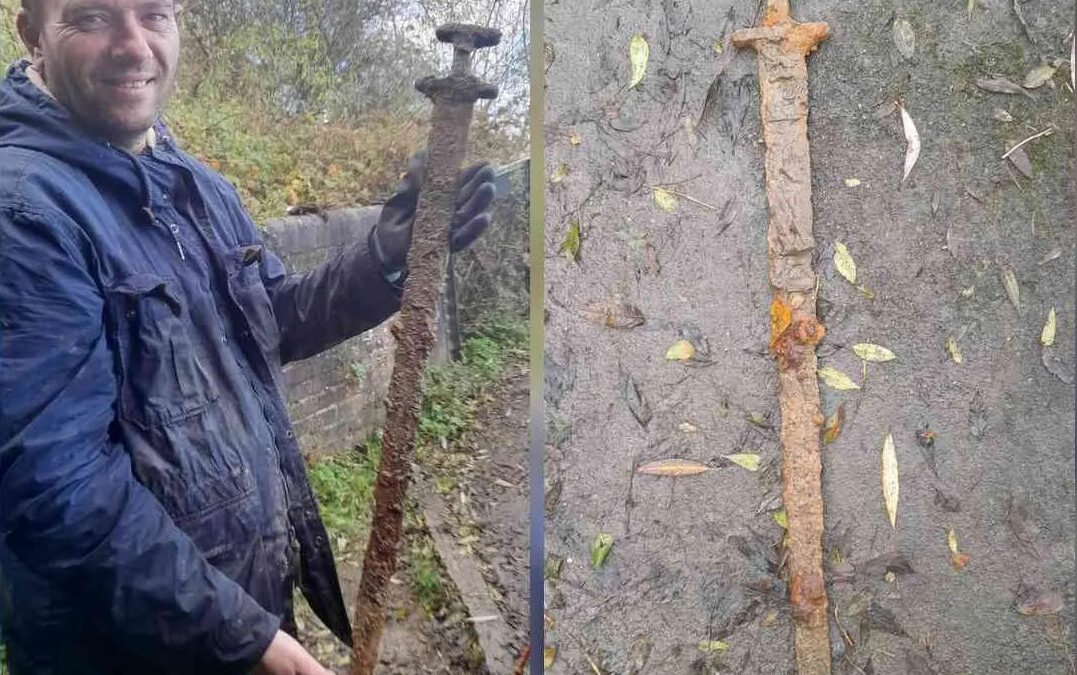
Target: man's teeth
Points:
(137, 84)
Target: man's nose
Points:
(129, 42)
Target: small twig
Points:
(1046, 132)
(704, 204)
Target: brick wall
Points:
(335, 398)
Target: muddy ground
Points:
(471, 505)
(697, 559)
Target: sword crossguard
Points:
(778, 26)
(461, 85)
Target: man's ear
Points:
(30, 33)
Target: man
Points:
(155, 513)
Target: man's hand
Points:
(285, 656)
(391, 237)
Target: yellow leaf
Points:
(638, 51)
(718, 46)
(955, 352)
(957, 558)
(688, 427)
(836, 379)
(681, 350)
(571, 245)
(1013, 292)
(559, 174)
(713, 646)
(600, 549)
(912, 140)
(972, 6)
(672, 467)
(843, 261)
(613, 313)
(781, 315)
(1038, 76)
(852, 182)
(748, 461)
(575, 138)
(549, 654)
(1047, 337)
(890, 479)
(665, 200)
(873, 353)
(781, 518)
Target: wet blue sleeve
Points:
(70, 507)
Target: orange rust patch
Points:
(806, 596)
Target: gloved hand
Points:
(391, 237)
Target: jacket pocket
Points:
(245, 284)
(168, 412)
(163, 381)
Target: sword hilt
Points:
(461, 85)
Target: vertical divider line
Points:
(537, 210)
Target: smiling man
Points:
(155, 513)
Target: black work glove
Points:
(391, 237)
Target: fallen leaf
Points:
(967, 292)
(549, 655)
(638, 51)
(912, 139)
(717, 46)
(554, 565)
(665, 200)
(781, 518)
(613, 314)
(890, 479)
(904, 38)
(600, 549)
(559, 174)
(672, 467)
(1055, 365)
(935, 197)
(1001, 115)
(1053, 254)
(1039, 76)
(836, 379)
(681, 350)
(1013, 292)
(712, 646)
(957, 558)
(636, 400)
(1019, 158)
(971, 6)
(889, 577)
(977, 415)
(688, 427)
(760, 420)
(893, 562)
(873, 353)
(1047, 335)
(747, 461)
(1001, 85)
(1035, 602)
(833, 425)
(952, 348)
(781, 315)
(852, 182)
(575, 138)
(844, 263)
(570, 247)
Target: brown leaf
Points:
(1055, 365)
(1001, 85)
(673, 467)
(1036, 602)
(613, 313)
(894, 562)
(834, 423)
(1020, 161)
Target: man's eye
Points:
(91, 21)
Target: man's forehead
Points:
(69, 5)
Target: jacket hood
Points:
(30, 119)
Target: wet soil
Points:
(697, 560)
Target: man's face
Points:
(111, 63)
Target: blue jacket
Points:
(155, 512)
